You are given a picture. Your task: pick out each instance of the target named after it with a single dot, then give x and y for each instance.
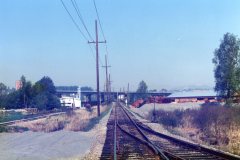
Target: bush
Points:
(171, 118)
(208, 116)
(88, 107)
(3, 129)
(213, 120)
(46, 101)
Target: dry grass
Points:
(217, 126)
(76, 121)
(234, 143)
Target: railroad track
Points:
(127, 138)
(124, 141)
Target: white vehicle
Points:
(73, 101)
(69, 101)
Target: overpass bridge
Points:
(91, 96)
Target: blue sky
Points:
(168, 44)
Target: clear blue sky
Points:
(167, 43)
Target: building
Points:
(193, 96)
(18, 84)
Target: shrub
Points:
(169, 118)
(3, 129)
(88, 107)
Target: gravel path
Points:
(99, 139)
(63, 145)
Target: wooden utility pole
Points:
(107, 83)
(128, 98)
(97, 66)
(109, 86)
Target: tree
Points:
(86, 88)
(44, 94)
(142, 90)
(142, 87)
(3, 93)
(227, 66)
(12, 100)
(40, 101)
(46, 85)
(3, 89)
(25, 92)
(41, 95)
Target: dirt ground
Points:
(190, 134)
(63, 144)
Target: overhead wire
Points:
(75, 23)
(77, 26)
(100, 24)
(95, 6)
(75, 5)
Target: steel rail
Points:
(115, 134)
(139, 140)
(197, 147)
(146, 141)
(142, 141)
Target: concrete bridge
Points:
(91, 96)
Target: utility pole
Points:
(107, 83)
(97, 66)
(128, 95)
(154, 110)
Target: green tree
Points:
(46, 85)
(41, 95)
(3, 93)
(142, 90)
(227, 62)
(40, 101)
(25, 92)
(3, 89)
(86, 88)
(44, 95)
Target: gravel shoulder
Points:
(145, 109)
(63, 144)
(140, 113)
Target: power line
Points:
(77, 26)
(106, 49)
(100, 24)
(93, 54)
(95, 6)
(91, 51)
(75, 5)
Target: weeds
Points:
(79, 120)
(215, 124)
(3, 129)
(169, 119)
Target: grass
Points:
(3, 129)
(10, 116)
(79, 120)
(211, 124)
(96, 120)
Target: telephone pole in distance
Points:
(107, 80)
(97, 66)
